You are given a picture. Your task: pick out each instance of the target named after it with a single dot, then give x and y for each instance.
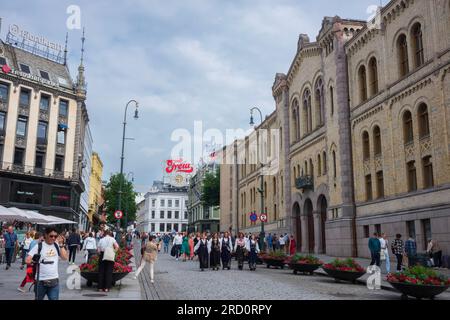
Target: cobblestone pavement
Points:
(126, 289)
(184, 281)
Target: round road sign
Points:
(263, 217)
(118, 214)
(253, 217)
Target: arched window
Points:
(332, 100)
(306, 168)
(373, 76)
(311, 168)
(366, 145)
(362, 80)
(274, 185)
(403, 61)
(318, 88)
(408, 133)
(295, 173)
(325, 164)
(307, 115)
(295, 120)
(319, 165)
(377, 141)
(298, 170)
(417, 43)
(334, 165)
(424, 124)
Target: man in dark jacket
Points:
(375, 248)
(74, 243)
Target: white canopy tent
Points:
(16, 214)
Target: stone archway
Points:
(308, 211)
(298, 225)
(322, 206)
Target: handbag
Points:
(382, 255)
(109, 254)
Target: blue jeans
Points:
(9, 253)
(388, 262)
(166, 248)
(41, 291)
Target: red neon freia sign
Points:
(178, 166)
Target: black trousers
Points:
(105, 273)
(9, 252)
(72, 253)
(375, 258)
(399, 261)
(437, 259)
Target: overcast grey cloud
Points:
(184, 61)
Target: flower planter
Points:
(418, 291)
(304, 267)
(274, 262)
(338, 275)
(92, 277)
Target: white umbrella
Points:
(6, 214)
(39, 218)
(57, 220)
(21, 215)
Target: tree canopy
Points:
(128, 205)
(211, 189)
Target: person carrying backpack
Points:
(46, 255)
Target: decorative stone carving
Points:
(410, 152)
(366, 165)
(3, 107)
(60, 149)
(425, 146)
(24, 111)
(43, 115)
(378, 163)
(21, 142)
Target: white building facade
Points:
(83, 223)
(165, 209)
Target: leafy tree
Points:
(211, 189)
(128, 205)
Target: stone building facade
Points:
(363, 119)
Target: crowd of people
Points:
(40, 253)
(405, 252)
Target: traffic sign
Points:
(253, 217)
(118, 214)
(263, 217)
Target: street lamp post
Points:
(262, 234)
(136, 116)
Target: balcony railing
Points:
(304, 182)
(39, 172)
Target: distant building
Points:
(86, 177)
(164, 209)
(202, 218)
(95, 190)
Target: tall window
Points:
(318, 88)
(402, 48)
(366, 145)
(24, 100)
(412, 176)
(4, 93)
(2, 122)
(169, 203)
(21, 130)
(162, 203)
(274, 185)
(40, 160)
(373, 76)
(319, 165)
(42, 131)
(153, 214)
(362, 80)
(311, 168)
(325, 164)
(377, 140)
(61, 138)
(161, 214)
(427, 166)
(59, 163)
(295, 119)
(307, 115)
(332, 101)
(369, 187)
(380, 185)
(19, 155)
(44, 103)
(169, 214)
(63, 108)
(424, 124)
(408, 133)
(417, 42)
(334, 165)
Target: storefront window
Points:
(60, 197)
(26, 193)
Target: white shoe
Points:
(152, 281)
(21, 289)
(135, 277)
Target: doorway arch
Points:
(308, 208)
(298, 225)
(322, 204)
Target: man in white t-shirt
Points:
(177, 242)
(47, 253)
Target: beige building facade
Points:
(363, 119)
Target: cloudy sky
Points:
(183, 60)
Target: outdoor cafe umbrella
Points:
(13, 214)
(30, 216)
(57, 220)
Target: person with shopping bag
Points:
(150, 257)
(107, 248)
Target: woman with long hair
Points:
(191, 246)
(226, 247)
(106, 267)
(214, 249)
(185, 247)
(202, 251)
(239, 248)
(150, 257)
(253, 250)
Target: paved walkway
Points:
(126, 289)
(180, 280)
